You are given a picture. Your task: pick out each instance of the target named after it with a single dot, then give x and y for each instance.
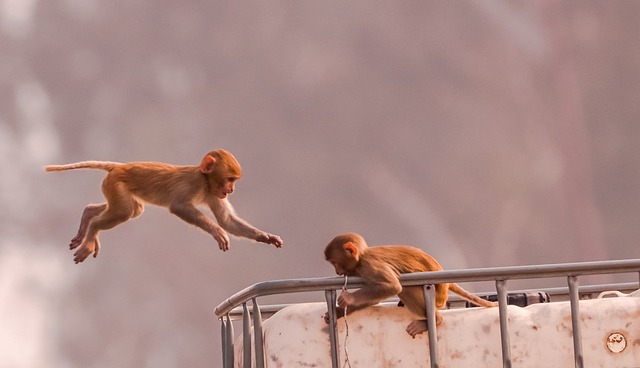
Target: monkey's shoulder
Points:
(396, 249)
(404, 258)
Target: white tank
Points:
(540, 336)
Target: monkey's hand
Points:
(339, 314)
(270, 239)
(346, 299)
(221, 237)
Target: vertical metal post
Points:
(223, 333)
(430, 305)
(257, 334)
(501, 288)
(574, 298)
(246, 336)
(227, 342)
(330, 296)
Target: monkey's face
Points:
(227, 186)
(344, 262)
(222, 171)
(225, 177)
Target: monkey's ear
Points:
(351, 248)
(206, 166)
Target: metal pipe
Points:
(246, 337)
(330, 296)
(501, 288)
(435, 277)
(430, 305)
(223, 333)
(626, 287)
(574, 298)
(257, 334)
(229, 353)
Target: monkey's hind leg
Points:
(420, 325)
(413, 299)
(88, 214)
(120, 207)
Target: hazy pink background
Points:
(488, 133)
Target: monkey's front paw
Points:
(346, 299)
(339, 314)
(222, 238)
(270, 239)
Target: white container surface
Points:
(540, 336)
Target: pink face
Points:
(343, 263)
(227, 187)
(339, 270)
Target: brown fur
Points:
(128, 186)
(380, 268)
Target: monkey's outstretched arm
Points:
(192, 215)
(230, 221)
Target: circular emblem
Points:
(616, 342)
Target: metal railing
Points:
(500, 275)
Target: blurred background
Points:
(488, 133)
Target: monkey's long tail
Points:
(470, 297)
(102, 165)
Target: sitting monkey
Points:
(380, 268)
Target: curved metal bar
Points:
(435, 277)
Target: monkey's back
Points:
(404, 258)
(157, 182)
